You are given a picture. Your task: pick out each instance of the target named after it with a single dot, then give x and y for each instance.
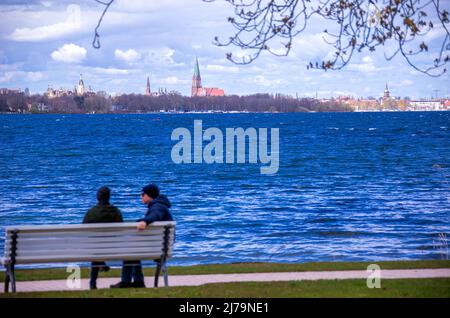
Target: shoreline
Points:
(232, 112)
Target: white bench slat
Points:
(25, 243)
(84, 227)
(134, 232)
(121, 251)
(84, 258)
(89, 247)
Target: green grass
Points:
(60, 273)
(395, 288)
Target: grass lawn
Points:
(60, 273)
(392, 288)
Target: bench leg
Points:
(10, 279)
(7, 279)
(13, 279)
(166, 275)
(157, 273)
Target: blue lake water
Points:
(351, 186)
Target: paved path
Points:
(196, 280)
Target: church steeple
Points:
(196, 80)
(386, 94)
(196, 68)
(81, 86)
(147, 90)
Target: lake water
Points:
(351, 186)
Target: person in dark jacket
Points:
(158, 210)
(103, 212)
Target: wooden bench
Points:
(87, 243)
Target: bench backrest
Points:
(88, 242)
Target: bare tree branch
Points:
(272, 25)
(96, 41)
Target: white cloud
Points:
(161, 56)
(220, 68)
(7, 77)
(128, 56)
(46, 4)
(406, 82)
(261, 80)
(367, 59)
(69, 53)
(10, 76)
(9, 67)
(310, 46)
(144, 5)
(282, 51)
(35, 76)
(111, 71)
(438, 32)
(367, 65)
(172, 80)
(52, 31)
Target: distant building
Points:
(426, 105)
(447, 104)
(6, 91)
(80, 89)
(148, 92)
(386, 94)
(198, 89)
(52, 93)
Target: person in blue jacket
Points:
(158, 210)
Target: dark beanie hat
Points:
(103, 194)
(151, 190)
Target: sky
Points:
(49, 43)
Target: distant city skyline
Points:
(46, 43)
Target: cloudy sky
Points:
(46, 43)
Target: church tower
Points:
(196, 80)
(147, 90)
(80, 89)
(387, 94)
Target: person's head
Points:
(149, 193)
(103, 195)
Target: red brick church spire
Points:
(196, 80)
(198, 89)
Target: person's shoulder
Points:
(159, 206)
(92, 209)
(114, 209)
(90, 214)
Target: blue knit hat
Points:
(151, 190)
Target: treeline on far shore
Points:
(137, 103)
